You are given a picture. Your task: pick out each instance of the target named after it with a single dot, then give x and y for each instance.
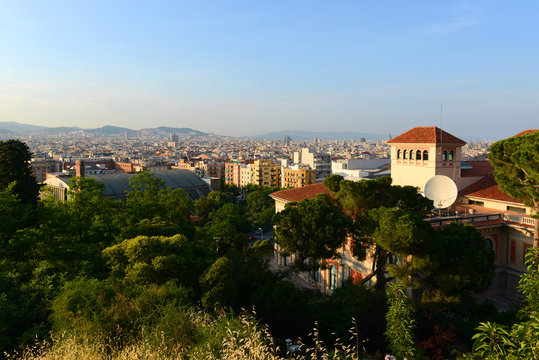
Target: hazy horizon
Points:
(248, 68)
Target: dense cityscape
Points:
(269, 180)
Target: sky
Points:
(250, 67)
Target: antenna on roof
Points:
(441, 122)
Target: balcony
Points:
(480, 216)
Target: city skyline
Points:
(244, 68)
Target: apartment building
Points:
(266, 173)
(297, 176)
(318, 161)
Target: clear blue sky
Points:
(249, 67)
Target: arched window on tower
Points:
(412, 155)
(444, 155)
(451, 155)
(405, 154)
(418, 154)
(399, 154)
(425, 155)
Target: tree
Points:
(260, 206)
(15, 167)
(496, 342)
(400, 323)
(227, 227)
(91, 214)
(148, 202)
(157, 260)
(312, 229)
(217, 285)
(401, 210)
(452, 263)
(516, 170)
(333, 183)
(14, 215)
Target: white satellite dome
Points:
(442, 190)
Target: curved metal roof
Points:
(116, 185)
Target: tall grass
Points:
(209, 338)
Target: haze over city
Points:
(247, 68)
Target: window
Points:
(412, 155)
(451, 155)
(425, 155)
(316, 276)
(489, 244)
(418, 154)
(444, 155)
(475, 202)
(399, 154)
(516, 209)
(405, 154)
(333, 277)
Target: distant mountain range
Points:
(9, 128)
(14, 128)
(310, 135)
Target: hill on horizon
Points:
(310, 135)
(14, 128)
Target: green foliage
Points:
(217, 285)
(363, 196)
(365, 307)
(157, 260)
(399, 231)
(92, 308)
(148, 202)
(260, 206)
(516, 170)
(529, 284)
(14, 214)
(227, 227)
(91, 214)
(282, 306)
(493, 341)
(447, 266)
(312, 229)
(458, 263)
(333, 183)
(203, 206)
(400, 323)
(229, 189)
(15, 167)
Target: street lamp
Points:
(261, 234)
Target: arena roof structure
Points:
(116, 185)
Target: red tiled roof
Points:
(487, 188)
(479, 168)
(305, 192)
(529, 131)
(426, 135)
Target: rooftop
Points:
(525, 132)
(487, 188)
(476, 168)
(305, 192)
(426, 135)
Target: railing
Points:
(519, 219)
(467, 219)
(509, 218)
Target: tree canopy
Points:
(516, 170)
(312, 229)
(15, 167)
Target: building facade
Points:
(504, 222)
(297, 176)
(318, 161)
